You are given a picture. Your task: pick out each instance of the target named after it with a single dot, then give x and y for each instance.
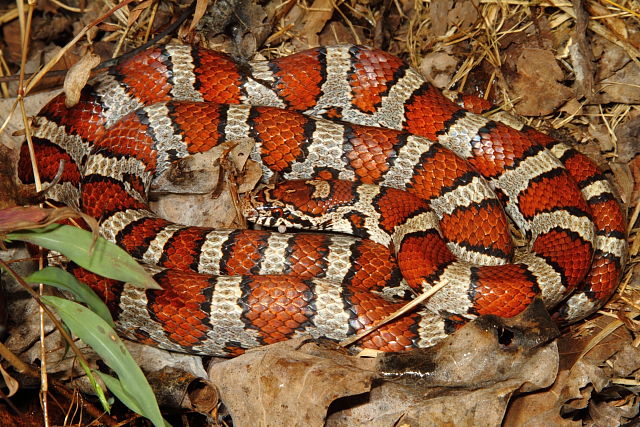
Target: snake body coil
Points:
(228, 290)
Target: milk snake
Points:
(228, 290)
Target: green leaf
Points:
(96, 333)
(99, 256)
(101, 397)
(116, 388)
(63, 280)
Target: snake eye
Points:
(276, 212)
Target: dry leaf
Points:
(11, 383)
(291, 383)
(581, 55)
(610, 58)
(199, 173)
(467, 379)
(30, 217)
(9, 190)
(540, 409)
(581, 337)
(581, 385)
(320, 12)
(187, 186)
(77, 78)
(337, 33)
(438, 68)
(137, 10)
(581, 381)
(536, 84)
(33, 104)
(502, 351)
(464, 14)
(572, 107)
(616, 25)
(626, 362)
(623, 412)
(203, 395)
(172, 387)
(50, 27)
(198, 13)
(438, 13)
(622, 87)
(574, 389)
(11, 38)
(198, 210)
(108, 27)
(628, 135)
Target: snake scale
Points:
(340, 113)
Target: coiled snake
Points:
(348, 113)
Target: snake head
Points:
(300, 204)
(271, 206)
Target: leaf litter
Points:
(568, 68)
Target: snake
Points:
(425, 189)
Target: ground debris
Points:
(570, 67)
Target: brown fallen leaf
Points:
(177, 388)
(137, 10)
(610, 58)
(8, 188)
(186, 187)
(540, 409)
(13, 135)
(198, 210)
(246, 20)
(77, 78)
(581, 382)
(337, 33)
(10, 382)
(319, 14)
(501, 351)
(290, 383)
(198, 13)
(628, 138)
(217, 16)
(588, 339)
(464, 14)
(11, 39)
(536, 84)
(467, 379)
(625, 143)
(604, 15)
(621, 87)
(581, 55)
(439, 68)
(620, 408)
(199, 173)
(626, 362)
(438, 14)
(47, 28)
